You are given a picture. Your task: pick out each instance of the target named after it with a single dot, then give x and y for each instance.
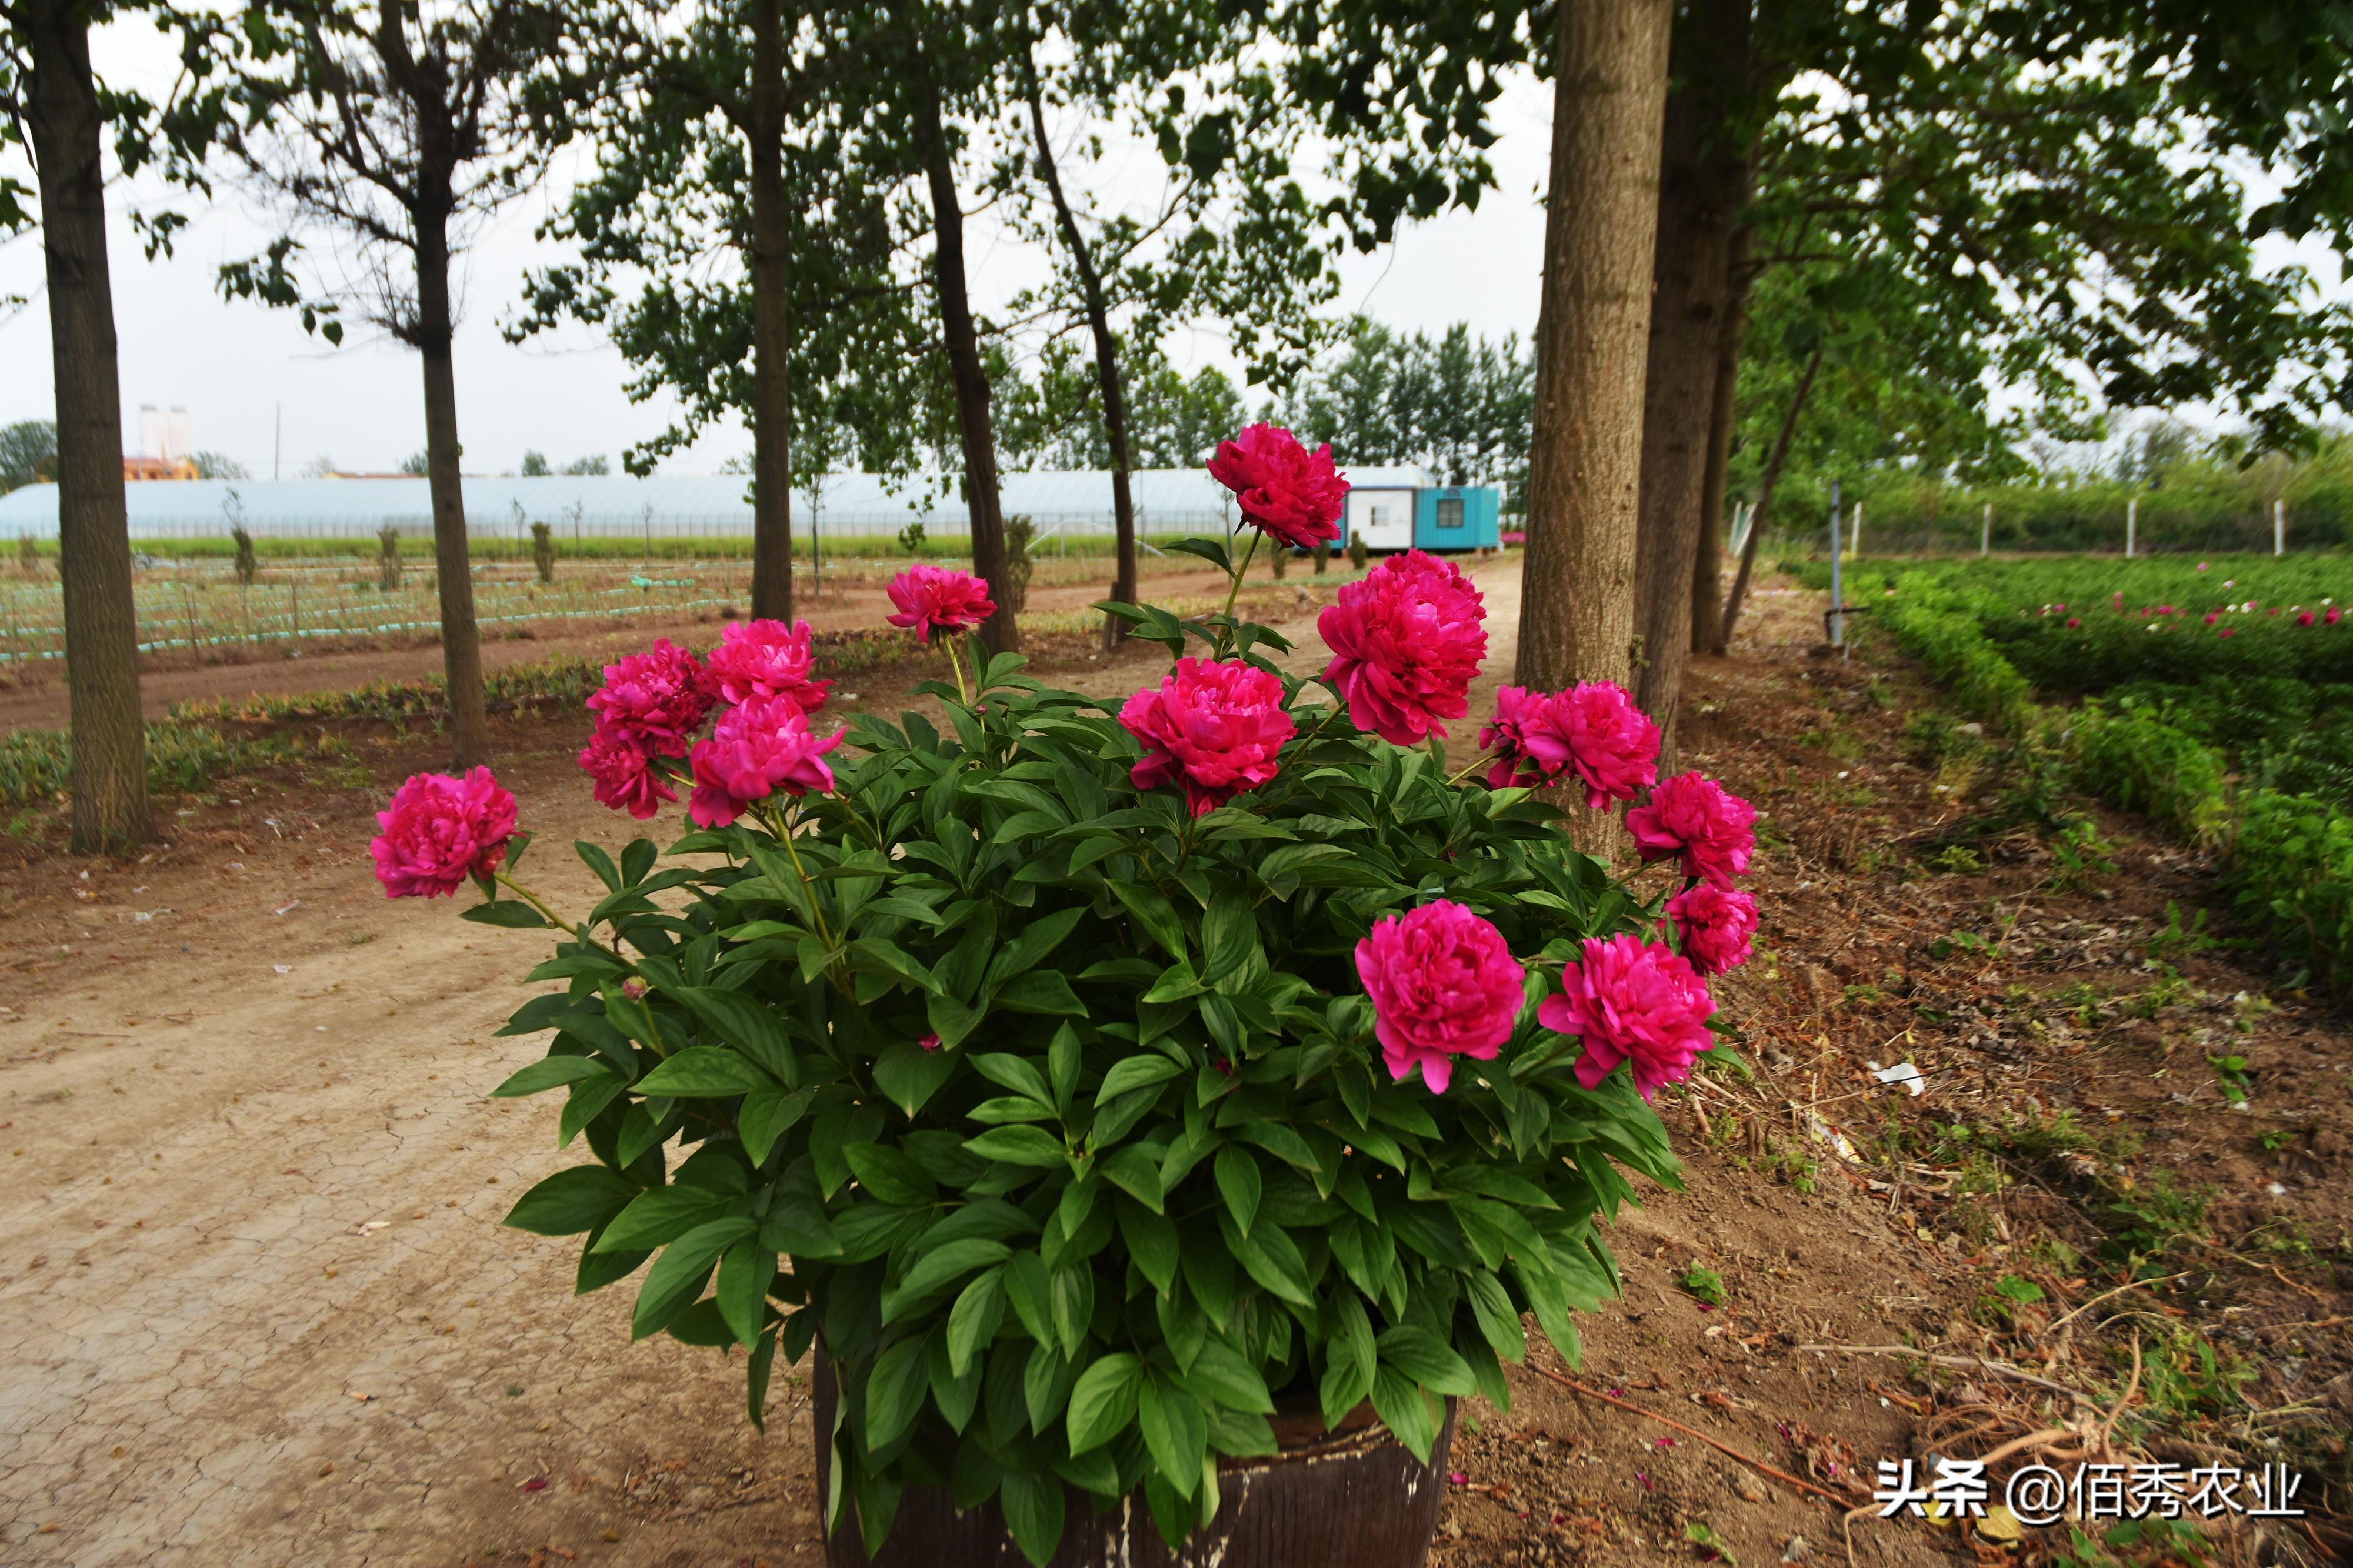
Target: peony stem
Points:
(955, 663)
(1469, 768)
(1234, 588)
(784, 834)
(536, 901)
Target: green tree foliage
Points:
(1051, 419)
(1459, 406)
(28, 453)
(663, 224)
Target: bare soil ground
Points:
(262, 1311)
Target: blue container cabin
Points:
(1437, 518)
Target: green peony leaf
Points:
(972, 1323)
(1019, 1146)
(679, 1271)
(548, 1072)
(746, 1025)
(1422, 1356)
(1135, 1072)
(1033, 1512)
(889, 1174)
(703, 1072)
(895, 1390)
(1104, 1401)
(1237, 1180)
(572, 1201)
(1175, 1431)
(1403, 1409)
(661, 1215)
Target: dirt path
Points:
(256, 1306)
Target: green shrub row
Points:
(2292, 877)
(2289, 857)
(183, 757)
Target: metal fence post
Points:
(2279, 528)
(2132, 525)
(1985, 533)
(1838, 580)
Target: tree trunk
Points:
(1707, 567)
(1699, 183)
(1585, 457)
(1114, 400)
(999, 632)
(461, 644)
(772, 427)
(109, 771)
(1771, 477)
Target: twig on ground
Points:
(2127, 1285)
(1967, 1363)
(1757, 1464)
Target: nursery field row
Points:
(2253, 755)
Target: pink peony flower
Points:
(1694, 817)
(2211, 617)
(2201, 566)
(438, 831)
(1612, 744)
(2307, 618)
(1442, 984)
(1531, 746)
(655, 700)
(934, 599)
(627, 779)
(1404, 643)
(2333, 617)
(2229, 632)
(1635, 1002)
(1716, 923)
(767, 659)
(757, 749)
(2072, 623)
(1295, 496)
(1213, 729)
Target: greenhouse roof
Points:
(1166, 500)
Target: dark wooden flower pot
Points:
(1349, 1498)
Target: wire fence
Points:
(197, 611)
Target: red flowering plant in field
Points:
(1095, 1074)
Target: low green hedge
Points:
(2288, 857)
(2291, 873)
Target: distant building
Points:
(140, 468)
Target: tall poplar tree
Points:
(1585, 459)
(53, 103)
(396, 129)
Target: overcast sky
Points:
(238, 367)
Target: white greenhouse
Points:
(1168, 500)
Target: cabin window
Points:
(1450, 512)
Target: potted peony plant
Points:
(1117, 1100)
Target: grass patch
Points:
(183, 757)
